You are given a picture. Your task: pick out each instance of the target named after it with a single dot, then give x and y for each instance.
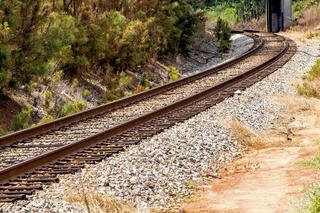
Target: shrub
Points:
(139, 88)
(22, 120)
(57, 76)
(125, 80)
(85, 93)
(112, 95)
(174, 73)
(299, 6)
(70, 108)
(311, 82)
(74, 83)
(145, 83)
(2, 131)
(223, 35)
(48, 97)
(44, 120)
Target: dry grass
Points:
(97, 203)
(299, 104)
(254, 24)
(256, 140)
(308, 26)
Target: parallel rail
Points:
(23, 179)
(65, 121)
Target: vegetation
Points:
(234, 11)
(22, 120)
(298, 6)
(311, 82)
(174, 74)
(70, 108)
(223, 35)
(2, 131)
(42, 37)
(313, 204)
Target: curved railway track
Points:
(93, 135)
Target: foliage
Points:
(310, 86)
(2, 131)
(44, 120)
(223, 35)
(315, 201)
(74, 83)
(298, 6)
(125, 80)
(57, 76)
(85, 93)
(174, 73)
(70, 108)
(234, 11)
(21, 120)
(41, 37)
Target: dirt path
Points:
(267, 180)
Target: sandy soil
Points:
(265, 180)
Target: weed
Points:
(311, 82)
(125, 80)
(174, 74)
(21, 120)
(223, 35)
(57, 76)
(85, 93)
(245, 136)
(70, 108)
(74, 83)
(139, 88)
(96, 202)
(44, 120)
(2, 131)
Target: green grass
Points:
(313, 163)
(311, 82)
(312, 203)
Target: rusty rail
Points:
(23, 134)
(36, 162)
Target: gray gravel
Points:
(164, 168)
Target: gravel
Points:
(78, 131)
(164, 168)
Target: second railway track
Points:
(25, 168)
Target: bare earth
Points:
(265, 180)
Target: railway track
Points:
(92, 136)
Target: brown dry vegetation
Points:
(308, 25)
(254, 24)
(257, 140)
(96, 203)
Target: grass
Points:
(246, 136)
(310, 86)
(98, 203)
(314, 162)
(312, 203)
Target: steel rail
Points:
(67, 150)
(65, 121)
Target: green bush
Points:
(298, 6)
(310, 86)
(2, 131)
(223, 35)
(44, 120)
(174, 73)
(22, 120)
(85, 93)
(125, 80)
(70, 108)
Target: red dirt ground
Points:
(267, 180)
